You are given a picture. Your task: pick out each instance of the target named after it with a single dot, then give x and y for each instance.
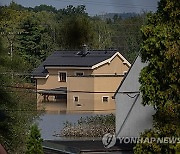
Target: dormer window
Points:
(62, 76)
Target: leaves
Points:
(160, 84)
(34, 141)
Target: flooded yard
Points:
(51, 124)
(52, 121)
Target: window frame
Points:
(75, 73)
(59, 79)
(107, 99)
(74, 99)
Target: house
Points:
(132, 117)
(81, 80)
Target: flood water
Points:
(52, 121)
(51, 124)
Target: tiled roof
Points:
(73, 59)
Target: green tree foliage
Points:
(127, 35)
(102, 34)
(34, 142)
(49, 36)
(76, 31)
(30, 39)
(14, 121)
(45, 8)
(160, 80)
(15, 6)
(75, 27)
(73, 11)
(5, 119)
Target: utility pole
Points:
(10, 37)
(11, 50)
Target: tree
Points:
(14, 121)
(34, 142)
(127, 35)
(102, 34)
(76, 31)
(5, 118)
(160, 80)
(29, 40)
(71, 10)
(44, 7)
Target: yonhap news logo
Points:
(109, 140)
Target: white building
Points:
(132, 117)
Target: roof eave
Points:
(67, 67)
(110, 59)
(40, 77)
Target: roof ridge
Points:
(87, 50)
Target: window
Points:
(79, 73)
(62, 76)
(76, 99)
(105, 99)
(61, 96)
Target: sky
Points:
(94, 7)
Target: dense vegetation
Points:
(92, 126)
(160, 80)
(17, 106)
(34, 141)
(17, 101)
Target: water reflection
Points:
(53, 107)
(60, 107)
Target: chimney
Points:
(85, 49)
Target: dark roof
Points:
(86, 145)
(73, 59)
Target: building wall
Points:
(105, 84)
(116, 66)
(108, 83)
(52, 81)
(140, 117)
(84, 85)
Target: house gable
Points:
(108, 61)
(115, 65)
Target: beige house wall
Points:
(52, 81)
(105, 84)
(115, 66)
(84, 85)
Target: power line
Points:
(68, 91)
(21, 110)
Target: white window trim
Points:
(75, 73)
(103, 97)
(59, 74)
(74, 99)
